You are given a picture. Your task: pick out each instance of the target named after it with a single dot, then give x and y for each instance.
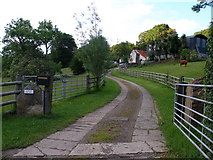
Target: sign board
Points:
(43, 80)
(28, 91)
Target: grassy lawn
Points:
(21, 131)
(179, 146)
(192, 70)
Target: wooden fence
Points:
(17, 90)
(64, 86)
(165, 79)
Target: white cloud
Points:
(119, 20)
(122, 20)
(182, 26)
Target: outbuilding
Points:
(137, 57)
(198, 43)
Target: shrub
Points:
(28, 65)
(190, 55)
(77, 66)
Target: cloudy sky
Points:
(122, 20)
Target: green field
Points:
(21, 131)
(192, 70)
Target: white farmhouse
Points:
(137, 57)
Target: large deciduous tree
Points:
(23, 50)
(122, 51)
(45, 34)
(19, 38)
(62, 49)
(160, 40)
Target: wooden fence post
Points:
(180, 99)
(18, 87)
(167, 79)
(88, 83)
(64, 86)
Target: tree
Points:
(140, 46)
(87, 25)
(94, 51)
(28, 65)
(183, 42)
(158, 39)
(76, 65)
(63, 48)
(23, 50)
(95, 56)
(208, 79)
(174, 45)
(45, 34)
(19, 37)
(122, 51)
(202, 4)
(205, 32)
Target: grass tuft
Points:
(101, 137)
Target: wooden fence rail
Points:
(164, 79)
(16, 92)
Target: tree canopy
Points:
(95, 56)
(122, 51)
(205, 32)
(161, 40)
(202, 4)
(62, 49)
(45, 34)
(23, 51)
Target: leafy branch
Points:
(203, 3)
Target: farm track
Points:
(130, 119)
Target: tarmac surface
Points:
(146, 141)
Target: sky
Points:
(121, 20)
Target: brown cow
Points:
(183, 62)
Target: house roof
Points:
(142, 53)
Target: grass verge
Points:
(179, 146)
(21, 131)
